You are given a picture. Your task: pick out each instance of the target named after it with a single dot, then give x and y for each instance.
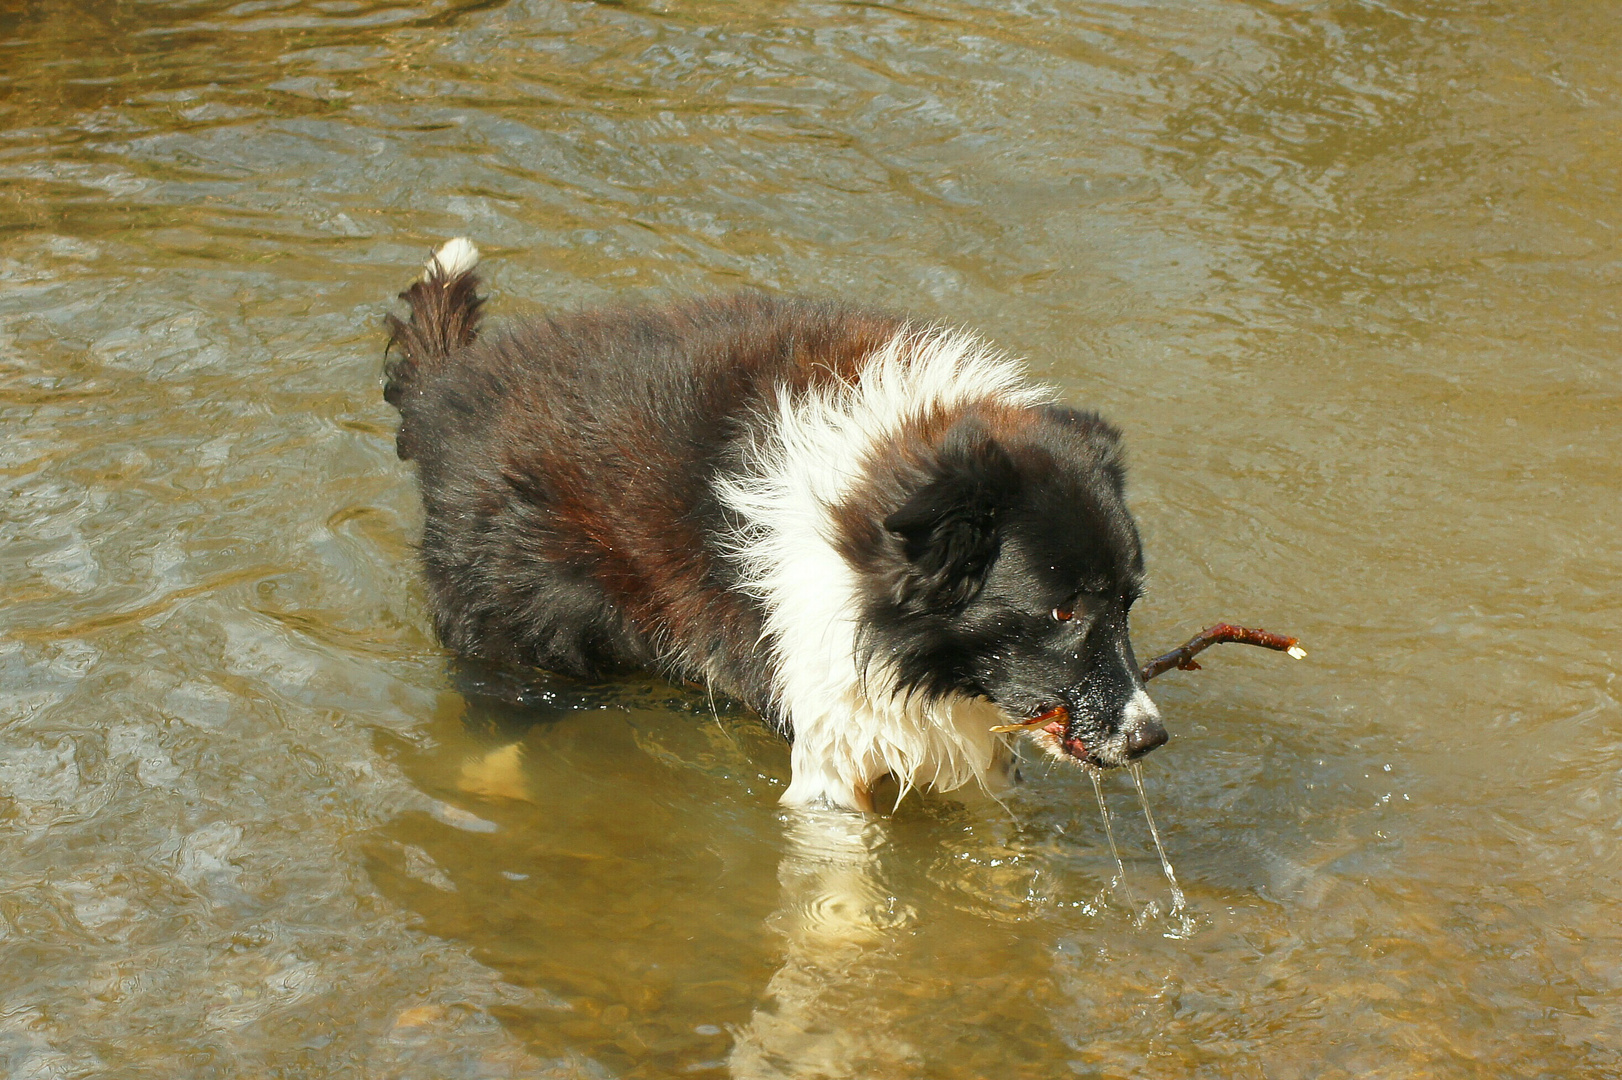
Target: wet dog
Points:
(877, 533)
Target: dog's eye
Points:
(1063, 614)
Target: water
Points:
(1179, 902)
(1346, 275)
(1109, 830)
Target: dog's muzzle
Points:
(1138, 731)
(1141, 726)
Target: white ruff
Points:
(849, 732)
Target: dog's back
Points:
(568, 467)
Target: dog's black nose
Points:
(1145, 737)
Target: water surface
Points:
(1346, 274)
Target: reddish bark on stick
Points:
(1182, 657)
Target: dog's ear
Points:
(949, 527)
(1102, 438)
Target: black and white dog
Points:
(876, 532)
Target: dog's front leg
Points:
(832, 775)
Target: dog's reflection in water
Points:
(823, 1014)
(509, 701)
(496, 774)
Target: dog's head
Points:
(1005, 568)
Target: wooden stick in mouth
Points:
(1181, 658)
(1058, 712)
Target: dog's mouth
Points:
(1051, 727)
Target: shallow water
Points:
(1347, 274)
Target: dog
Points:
(876, 532)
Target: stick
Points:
(1182, 657)
(1058, 712)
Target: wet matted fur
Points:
(878, 533)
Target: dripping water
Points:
(1177, 902)
(1109, 831)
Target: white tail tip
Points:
(1297, 651)
(454, 257)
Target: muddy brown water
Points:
(1346, 273)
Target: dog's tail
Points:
(444, 317)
